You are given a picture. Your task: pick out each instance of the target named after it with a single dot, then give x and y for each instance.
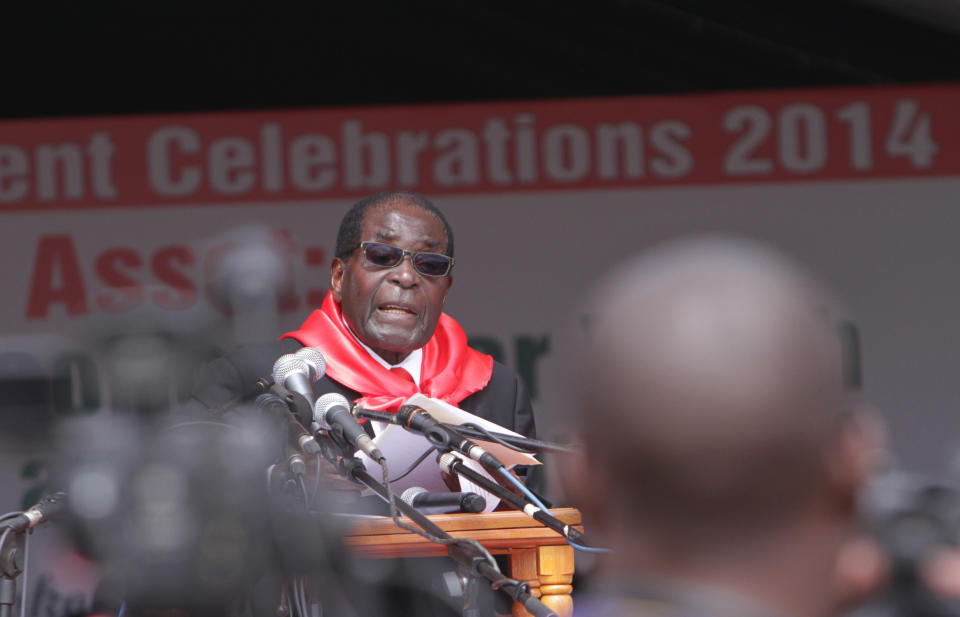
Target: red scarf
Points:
(450, 370)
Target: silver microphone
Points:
(315, 361)
(294, 374)
(333, 410)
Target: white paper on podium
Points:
(402, 447)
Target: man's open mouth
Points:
(394, 309)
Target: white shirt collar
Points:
(412, 363)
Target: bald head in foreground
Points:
(722, 459)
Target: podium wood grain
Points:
(537, 555)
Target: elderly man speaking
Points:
(382, 328)
(385, 337)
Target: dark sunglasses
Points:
(387, 256)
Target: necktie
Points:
(401, 372)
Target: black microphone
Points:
(298, 437)
(294, 374)
(419, 420)
(524, 443)
(48, 508)
(333, 411)
(438, 503)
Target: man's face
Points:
(393, 310)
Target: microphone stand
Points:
(511, 498)
(536, 445)
(463, 553)
(11, 566)
(298, 405)
(13, 563)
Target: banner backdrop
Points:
(223, 225)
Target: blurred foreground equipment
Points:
(178, 516)
(914, 520)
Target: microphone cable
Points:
(26, 572)
(300, 597)
(303, 492)
(395, 515)
(4, 610)
(490, 436)
(415, 464)
(3, 538)
(316, 479)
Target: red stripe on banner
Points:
(486, 147)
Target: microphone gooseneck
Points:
(298, 437)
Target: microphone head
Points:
(406, 411)
(327, 402)
(315, 361)
(287, 365)
(472, 503)
(409, 494)
(51, 506)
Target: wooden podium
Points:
(537, 555)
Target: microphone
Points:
(332, 410)
(438, 503)
(452, 465)
(417, 419)
(294, 374)
(315, 361)
(525, 443)
(48, 508)
(297, 436)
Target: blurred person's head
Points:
(719, 441)
(391, 292)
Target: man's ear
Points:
(860, 451)
(337, 268)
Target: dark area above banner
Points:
(78, 62)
